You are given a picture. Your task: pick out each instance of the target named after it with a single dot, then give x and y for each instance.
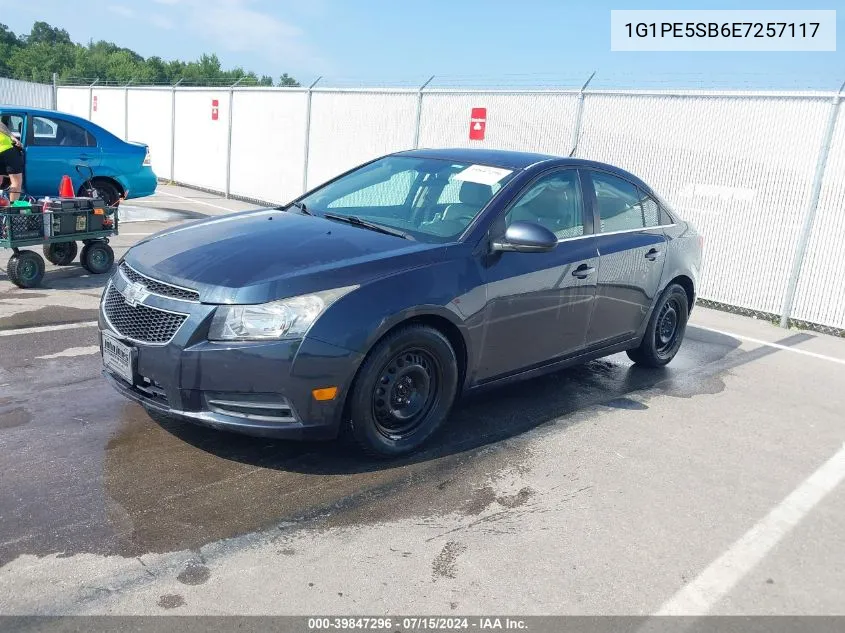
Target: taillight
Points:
(147, 160)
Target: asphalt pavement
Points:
(712, 486)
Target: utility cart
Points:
(57, 225)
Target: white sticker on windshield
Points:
(482, 174)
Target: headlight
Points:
(287, 318)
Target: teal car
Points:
(56, 143)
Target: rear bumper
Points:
(140, 184)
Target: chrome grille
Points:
(140, 323)
(159, 287)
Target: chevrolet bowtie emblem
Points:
(135, 293)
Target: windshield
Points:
(431, 200)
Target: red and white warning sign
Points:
(215, 109)
(477, 124)
(94, 103)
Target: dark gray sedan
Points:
(375, 300)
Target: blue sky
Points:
(462, 42)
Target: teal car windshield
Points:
(427, 199)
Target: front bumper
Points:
(262, 389)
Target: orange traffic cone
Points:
(66, 187)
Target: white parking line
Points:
(48, 328)
(72, 352)
(722, 575)
(208, 204)
(785, 348)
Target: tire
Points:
(97, 258)
(60, 253)
(665, 331)
(26, 269)
(107, 191)
(403, 391)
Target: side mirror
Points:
(526, 237)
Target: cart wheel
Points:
(97, 257)
(61, 253)
(25, 269)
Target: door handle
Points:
(583, 271)
(653, 254)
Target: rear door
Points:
(54, 147)
(632, 249)
(539, 304)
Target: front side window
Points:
(433, 200)
(15, 124)
(555, 202)
(48, 132)
(618, 203)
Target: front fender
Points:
(450, 290)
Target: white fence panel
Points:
(150, 113)
(820, 295)
(268, 144)
(26, 93)
(535, 122)
(108, 110)
(739, 168)
(350, 128)
(201, 139)
(74, 101)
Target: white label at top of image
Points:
(729, 30)
(482, 174)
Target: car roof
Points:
(518, 160)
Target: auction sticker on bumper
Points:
(117, 357)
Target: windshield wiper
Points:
(380, 228)
(301, 206)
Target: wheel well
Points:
(439, 323)
(686, 283)
(110, 181)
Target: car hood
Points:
(263, 255)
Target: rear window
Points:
(50, 132)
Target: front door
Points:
(539, 304)
(632, 248)
(54, 148)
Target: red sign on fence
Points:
(477, 124)
(94, 103)
(215, 109)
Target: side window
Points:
(15, 124)
(392, 192)
(618, 202)
(651, 211)
(58, 132)
(554, 202)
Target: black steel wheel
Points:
(25, 269)
(60, 253)
(403, 391)
(665, 331)
(97, 258)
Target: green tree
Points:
(47, 50)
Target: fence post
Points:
(810, 213)
(307, 134)
(55, 91)
(419, 112)
(229, 138)
(579, 111)
(91, 99)
(173, 130)
(126, 110)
